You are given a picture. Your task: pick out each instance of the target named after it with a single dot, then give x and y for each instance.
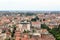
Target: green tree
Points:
(3, 31)
(33, 31)
(33, 19)
(14, 28)
(26, 31)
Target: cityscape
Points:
(29, 25)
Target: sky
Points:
(36, 5)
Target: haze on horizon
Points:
(46, 5)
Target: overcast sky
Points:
(52, 5)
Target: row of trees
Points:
(54, 31)
(12, 33)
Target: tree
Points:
(44, 26)
(7, 39)
(36, 18)
(33, 31)
(59, 27)
(55, 31)
(33, 19)
(14, 28)
(43, 19)
(3, 31)
(26, 31)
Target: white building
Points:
(23, 26)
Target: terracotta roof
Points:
(47, 37)
(35, 22)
